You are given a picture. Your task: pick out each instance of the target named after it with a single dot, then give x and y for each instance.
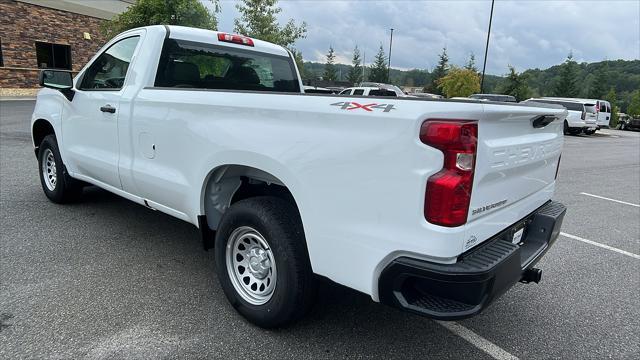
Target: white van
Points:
(604, 113)
(581, 117)
(602, 110)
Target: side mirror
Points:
(58, 80)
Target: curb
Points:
(17, 98)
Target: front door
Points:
(90, 129)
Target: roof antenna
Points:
(486, 50)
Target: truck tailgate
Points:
(517, 156)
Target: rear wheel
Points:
(57, 185)
(589, 132)
(262, 261)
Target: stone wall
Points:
(22, 24)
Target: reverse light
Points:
(449, 191)
(235, 39)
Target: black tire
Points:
(622, 126)
(279, 223)
(566, 128)
(589, 132)
(66, 189)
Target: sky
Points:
(524, 34)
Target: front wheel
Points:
(57, 185)
(262, 261)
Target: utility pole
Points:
(486, 49)
(389, 67)
(364, 64)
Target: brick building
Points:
(41, 34)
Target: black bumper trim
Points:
(461, 290)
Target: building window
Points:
(1, 60)
(53, 56)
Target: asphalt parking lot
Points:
(106, 278)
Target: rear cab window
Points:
(189, 64)
(358, 92)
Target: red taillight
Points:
(449, 191)
(235, 38)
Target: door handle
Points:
(108, 108)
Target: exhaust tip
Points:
(531, 275)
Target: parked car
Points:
(427, 95)
(581, 117)
(317, 90)
(629, 124)
(494, 97)
(399, 199)
(370, 91)
(389, 87)
(335, 89)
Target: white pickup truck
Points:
(436, 207)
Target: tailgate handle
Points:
(542, 121)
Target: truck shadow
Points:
(342, 323)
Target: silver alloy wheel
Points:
(251, 265)
(49, 170)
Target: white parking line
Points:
(636, 256)
(606, 198)
(478, 341)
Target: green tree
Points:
(567, 84)
(330, 72)
(258, 19)
(516, 85)
(471, 63)
(379, 67)
(459, 82)
(438, 73)
(158, 12)
(612, 98)
(355, 73)
(634, 105)
(598, 84)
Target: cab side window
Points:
(109, 70)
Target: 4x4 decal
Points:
(352, 105)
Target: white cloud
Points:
(525, 34)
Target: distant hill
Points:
(622, 75)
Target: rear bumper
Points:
(461, 290)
